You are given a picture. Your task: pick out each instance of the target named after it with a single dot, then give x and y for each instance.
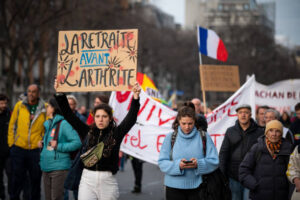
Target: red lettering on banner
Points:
(122, 97)
(233, 103)
(218, 114)
(214, 136)
(161, 122)
(126, 138)
(151, 111)
(138, 139)
(158, 142)
(231, 115)
(143, 107)
(291, 95)
(270, 94)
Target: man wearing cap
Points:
(237, 142)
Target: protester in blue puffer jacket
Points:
(55, 156)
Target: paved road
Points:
(152, 183)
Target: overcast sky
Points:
(287, 16)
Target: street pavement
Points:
(152, 183)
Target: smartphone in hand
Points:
(188, 161)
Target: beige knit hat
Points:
(274, 124)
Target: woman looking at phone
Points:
(181, 157)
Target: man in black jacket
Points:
(4, 150)
(237, 142)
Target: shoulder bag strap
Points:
(173, 139)
(57, 131)
(203, 137)
(56, 135)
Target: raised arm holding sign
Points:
(97, 60)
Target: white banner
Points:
(225, 116)
(282, 95)
(155, 121)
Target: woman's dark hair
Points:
(109, 111)
(187, 110)
(112, 124)
(3, 97)
(54, 104)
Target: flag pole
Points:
(200, 61)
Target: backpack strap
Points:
(57, 131)
(56, 135)
(173, 139)
(203, 137)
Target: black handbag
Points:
(214, 185)
(74, 175)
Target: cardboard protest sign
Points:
(97, 60)
(219, 78)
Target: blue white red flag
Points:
(211, 45)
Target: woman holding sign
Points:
(182, 158)
(99, 154)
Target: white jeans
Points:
(296, 195)
(98, 185)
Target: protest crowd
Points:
(57, 143)
(51, 141)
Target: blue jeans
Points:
(238, 191)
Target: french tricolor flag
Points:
(211, 45)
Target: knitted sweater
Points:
(187, 146)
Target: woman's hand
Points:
(55, 84)
(195, 164)
(136, 90)
(297, 184)
(40, 144)
(185, 164)
(53, 144)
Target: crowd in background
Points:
(258, 156)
